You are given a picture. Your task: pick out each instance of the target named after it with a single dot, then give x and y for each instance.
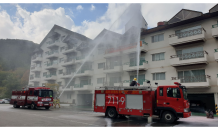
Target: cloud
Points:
(92, 7)
(32, 26)
(35, 26)
(79, 7)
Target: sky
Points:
(34, 21)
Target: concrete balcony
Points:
(36, 79)
(68, 88)
(68, 62)
(84, 87)
(187, 37)
(80, 59)
(133, 48)
(50, 77)
(53, 44)
(84, 73)
(113, 70)
(215, 30)
(35, 69)
(189, 58)
(69, 50)
(132, 66)
(67, 75)
(51, 66)
(118, 84)
(112, 53)
(52, 55)
(201, 81)
(216, 55)
(37, 59)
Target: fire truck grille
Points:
(45, 102)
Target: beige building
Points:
(183, 49)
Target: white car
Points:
(5, 100)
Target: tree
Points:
(12, 82)
(55, 88)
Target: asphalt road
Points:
(70, 117)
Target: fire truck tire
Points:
(111, 112)
(15, 105)
(168, 117)
(33, 106)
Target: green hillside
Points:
(15, 59)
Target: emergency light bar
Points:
(176, 83)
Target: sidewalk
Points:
(201, 114)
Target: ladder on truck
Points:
(123, 88)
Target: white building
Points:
(184, 50)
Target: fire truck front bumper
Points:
(186, 114)
(44, 104)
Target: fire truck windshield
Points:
(45, 93)
(184, 93)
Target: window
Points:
(62, 48)
(45, 63)
(52, 72)
(158, 56)
(60, 71)
(192, 76)
(61, 60)
(101, 65)
(161, 92)
(100, 80)
(68, 96)
(37, 74)
(157, 38)
(44, 74)
(159, 76)
(31, 92)
(190, 53)
(173, 92)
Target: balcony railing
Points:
(80, 57)
(83, 70)
(68, 60)
(192, 79)
(48, 76)
(81, 85)
(135, 64)
(188, 33)
(192, 55)
(215, 26)
(107, 67)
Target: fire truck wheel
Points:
(112, 113)
(15, 105)
(33, 106)
(168, 117)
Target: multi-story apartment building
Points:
(183, 49)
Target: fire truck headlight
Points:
(186, 110)
(50, 102)
(40, 102)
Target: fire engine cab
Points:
(32, 98)
(169, 103)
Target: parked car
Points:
(5, 100)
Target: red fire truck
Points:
(32, 98)
(169, 103)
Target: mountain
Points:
(15, 53)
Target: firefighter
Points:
(134, 83)
(57, 102)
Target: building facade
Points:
(183, 49)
